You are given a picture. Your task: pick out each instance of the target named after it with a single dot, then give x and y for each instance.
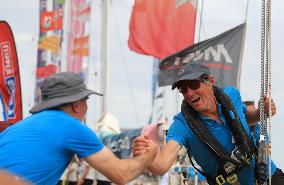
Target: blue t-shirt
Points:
(180, 132)
(40, 147)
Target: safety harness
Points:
(229, 163)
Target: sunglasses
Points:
(192, 84)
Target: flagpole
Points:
(246, 15)
(64, 50)
(105, 56)
(200, 21)
(242, 48)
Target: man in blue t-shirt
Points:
(39, 148)
(202, 115)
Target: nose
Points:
(188, 92)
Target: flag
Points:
(46, 71)
(84, 12)
(10, 84)
(161, 27)
(51, 20)
(222, 54)
(50, 39)
(76, 29)
(51, 43)
(81, 46)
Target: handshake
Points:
(145, 149)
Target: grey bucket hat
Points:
(191, 71)
(61, 88)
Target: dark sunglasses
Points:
(192, 84)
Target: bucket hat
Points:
(61, 88)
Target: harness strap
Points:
(209, 178)
(202, 133)
(242, 140)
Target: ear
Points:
(75, 107)
(211, 79)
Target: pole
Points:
(105, 56)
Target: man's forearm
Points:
(164, 159)
(119, 171)
(157, 168)
(131, 168)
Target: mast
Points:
(200, 19)
(105, 56)
(243, 47)
(64, 50)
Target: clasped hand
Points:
(142, 145)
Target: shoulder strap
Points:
(202, 133)
(242, 139)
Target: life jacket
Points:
(229, 163)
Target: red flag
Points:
(46, 71)
(161, 27)
(51, 20)
(10, 87)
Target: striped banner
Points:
(51, 14)
(78, 39)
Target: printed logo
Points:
(7, 59)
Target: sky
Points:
(130, 73)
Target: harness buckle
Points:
(220, 180)
(240, 157)
(232, 179)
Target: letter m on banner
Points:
(10, 86)
(222, 54)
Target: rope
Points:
(264, 151)
(262, 91)
(268, 41)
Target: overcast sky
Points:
(130, 73)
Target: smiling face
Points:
(201, 99)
